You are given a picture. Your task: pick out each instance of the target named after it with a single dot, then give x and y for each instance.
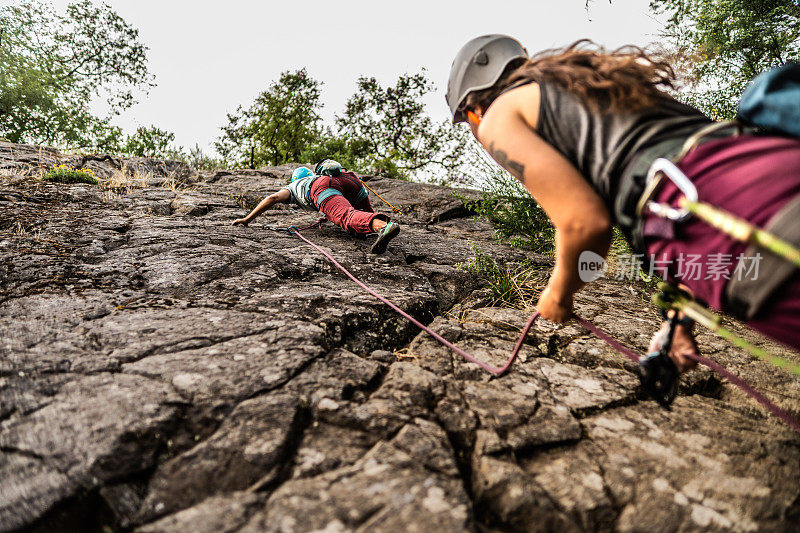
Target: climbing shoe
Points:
(388, 233)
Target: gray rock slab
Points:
(397, 486)
(216, 514)
(250, 446)
(97, 428)
(177, 373)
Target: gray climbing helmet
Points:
(478, 65)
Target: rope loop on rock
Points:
(489, 368)
(748, 389)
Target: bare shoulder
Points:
(518, 107)
(522, 101)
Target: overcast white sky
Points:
(210, 56)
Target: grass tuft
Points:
(516, 286)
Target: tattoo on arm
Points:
(516, 168)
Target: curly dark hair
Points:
(626, 79)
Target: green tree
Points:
(400, 137)
(102, 136)
(282, 122)
(720, 45)
(151, 142)
(53, 65)
(199, 160)
(350, 153)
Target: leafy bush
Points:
(199, 160)
(150, 142)
(516, 216)
(348, 152)
(65, 174)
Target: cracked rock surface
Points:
(161, 370)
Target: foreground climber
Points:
(580, 127)
(339, 195)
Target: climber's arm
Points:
(283, 196)
(581, 220)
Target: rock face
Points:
(161, 370)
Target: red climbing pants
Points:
(751, 177)
(349, 206)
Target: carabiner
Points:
(676, 176)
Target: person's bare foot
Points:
(682, 343)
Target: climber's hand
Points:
(240, 222)
(553, 307)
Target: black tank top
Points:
(601, 145)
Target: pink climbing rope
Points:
(494, 370)
(602, 335)
(317, 224)
(748, 389)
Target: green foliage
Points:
(278, 126)
(350, 153)
(103, 137)
(65, 174)
(383, 131)
(619, 244)
(513, 212)
(399, 138)
(199, 160)
(150, 142)
(156, 143)
(52, 65)
(720, 45)
(513, 285)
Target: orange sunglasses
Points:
(474, 118)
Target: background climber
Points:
(339, 195)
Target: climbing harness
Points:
(331, 168)
(727, 223)
(654, 378)
(689, 204)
